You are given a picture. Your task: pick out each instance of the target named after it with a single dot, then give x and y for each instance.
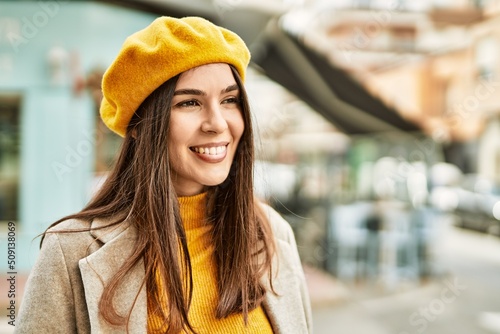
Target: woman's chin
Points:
(215, 181)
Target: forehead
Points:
(211, 74)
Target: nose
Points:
(214, 121)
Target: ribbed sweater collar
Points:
(192, 210)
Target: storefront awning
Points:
(327, 89)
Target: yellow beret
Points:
(164, 49)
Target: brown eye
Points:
(187, 104)
(232, 100)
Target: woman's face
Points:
(205, 128)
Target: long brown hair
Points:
(139, 189)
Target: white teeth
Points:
(210, 150)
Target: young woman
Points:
(174, 241)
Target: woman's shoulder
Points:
(80, 227)
(75, 235)
(69, 236)
(280, 227)
(70, 225)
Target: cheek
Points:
(180, 128)
(171, 143)
(176, 142)
(237, 126)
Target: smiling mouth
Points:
(215, 150)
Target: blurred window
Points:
(107, 142)
(404, 38)
(363, 3)
(9, 157)
(479, 3)
(486, 54)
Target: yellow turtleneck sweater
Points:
(205, 296)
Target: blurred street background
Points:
(378, 126)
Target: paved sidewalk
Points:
(334, 310)
(324, 289)
(461, 299)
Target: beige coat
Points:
(65, 285)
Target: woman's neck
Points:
(193, 210)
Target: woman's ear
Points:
(133, 133)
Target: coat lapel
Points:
(283, 309)
(99, 267)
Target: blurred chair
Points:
(348, 236)
(399, 245)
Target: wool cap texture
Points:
(164, 49)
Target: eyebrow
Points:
(192, 91)
(230, 89)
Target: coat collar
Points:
(102, 264)
(101, 230)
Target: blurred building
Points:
(390, 192)
(434, 61)
(50, 53)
